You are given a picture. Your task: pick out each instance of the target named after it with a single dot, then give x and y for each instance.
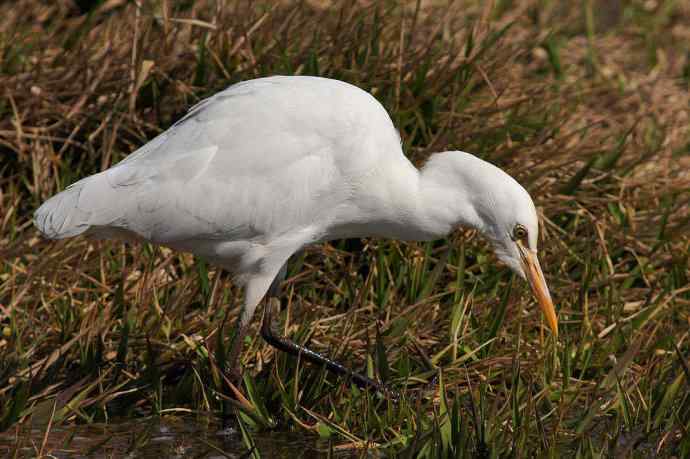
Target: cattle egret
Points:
(268, 166)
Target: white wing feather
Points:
(263, 161)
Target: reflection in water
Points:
(159, 438)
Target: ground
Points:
(585, 103)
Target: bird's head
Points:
(510, 222)
(480, 195)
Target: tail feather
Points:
(61, 216)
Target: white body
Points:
(256, 172)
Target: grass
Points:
(586, 104)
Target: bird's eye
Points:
(519, 233)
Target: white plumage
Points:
(258, 171)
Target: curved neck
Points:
(402, 202)
(425, 204)
(444, 202)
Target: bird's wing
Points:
(263, 160)
(246, 164)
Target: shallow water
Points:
(159, 438)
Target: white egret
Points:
(268, 166)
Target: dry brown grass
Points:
(592, 117)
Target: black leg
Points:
(233, 373)
(232, 368)
(294, 349)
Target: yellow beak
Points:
(535, 277)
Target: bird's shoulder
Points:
(268, 123)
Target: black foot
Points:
(294, 349)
